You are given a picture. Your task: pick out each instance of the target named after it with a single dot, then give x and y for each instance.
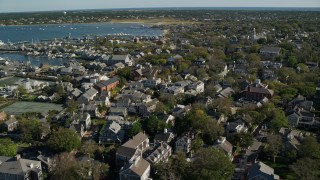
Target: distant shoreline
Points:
(180, 8)
(50, 24)
(151, 22)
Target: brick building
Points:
(108, 84)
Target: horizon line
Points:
(170, 8)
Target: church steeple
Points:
(253, 35)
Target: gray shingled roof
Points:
(270, 49)
(118, 57)
(126, 152)
(262, 170)
(136, 140)
(76, 92)
(89, 93)
(12, 120)
(164, 137)
(139, 168)
(224, 145)
(19, 167)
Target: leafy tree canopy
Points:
(8, 147)
(63, 140)
(211, 163)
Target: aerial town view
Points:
(162, 90)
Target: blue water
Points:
(40, 32)
(34, 60)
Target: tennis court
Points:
(23, 107)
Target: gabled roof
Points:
(158, 152)
(164, 137)
(102, 84)
(225, 93)
(223, 144)
(119, 57)
(12, 120)
(262, 170)
(114, 127)
(76, 92)
(18, 167)
(89, 93)
(136, 140)
(260, 90)
(126, 152)
(138, 168)
(270, 49)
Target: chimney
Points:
(17, 157)
(30, 165)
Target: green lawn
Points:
(20, 107)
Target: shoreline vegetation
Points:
(150, 22)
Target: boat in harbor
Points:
(42, 32)
(1, 43)
(142, 26)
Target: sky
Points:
(47, 5)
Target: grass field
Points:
(23, 107)
(8, 81)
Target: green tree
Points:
(210, 90)
(219, 54)
(211, 131)
(257, 117)
(153, 125)
(211, 163)
(273, 146)
(200, 52)
(243, 140)
(182, 65)
(287, 93)
(307, 89)
(66, 78)
(279, 120)
(166, 170)
(168, 100)
(59, 89)
(262, 41)
(125, 72)
(91, 148)
(8, 147)
(306, 169)
(292, 61)
(238, 55)
(175, 169)
(72, 106)
(66, 166)
(198, 120)
(255, 48)
(63, 140)
(253, 59)
(30, 129)
(222, 105)
(161, 107)
(197, 143)
(22, 91)
(310, 148)
(134, 129)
